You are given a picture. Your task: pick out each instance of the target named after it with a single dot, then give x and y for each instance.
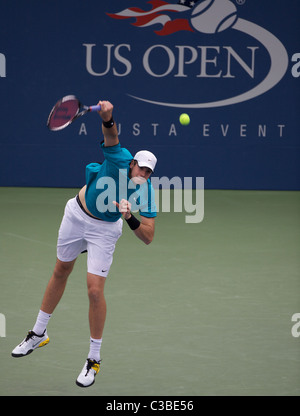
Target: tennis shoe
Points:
(30, 343)
(87, 376)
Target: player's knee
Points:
(95, 294)
(63, 269)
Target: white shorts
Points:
(79, 232)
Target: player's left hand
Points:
(124, 207)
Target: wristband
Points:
(133, 222)
(108, 124)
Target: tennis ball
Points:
(184, 119)
(213, 16)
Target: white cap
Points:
(145, 159)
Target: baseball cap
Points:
(145, 159)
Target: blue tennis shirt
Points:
(109, 181)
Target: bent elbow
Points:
(147, 241)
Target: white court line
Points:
(29, 239)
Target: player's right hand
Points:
(106, 110)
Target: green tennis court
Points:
(205, 309)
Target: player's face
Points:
(137, 174)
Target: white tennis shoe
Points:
(33, 341)
(30, 343)
(87, 376)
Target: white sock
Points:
(41, 322)
(95, 345)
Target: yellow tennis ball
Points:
(184, 119)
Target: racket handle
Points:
(95, 108)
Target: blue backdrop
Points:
(233, 66)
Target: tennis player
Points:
(93, 222)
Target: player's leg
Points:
(97, 316)
(101, 241)
(38, 336)
(70, 244)
(97, 308)
(56, 285)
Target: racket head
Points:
(63, 113)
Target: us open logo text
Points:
(241, 50)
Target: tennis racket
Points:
(66, 111)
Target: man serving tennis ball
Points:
(93, 225)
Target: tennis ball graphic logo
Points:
(213, 16)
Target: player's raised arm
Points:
(109, 127)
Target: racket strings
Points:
(63, 113)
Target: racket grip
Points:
(95, 108)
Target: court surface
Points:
(206, 309)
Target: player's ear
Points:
(132, 163)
